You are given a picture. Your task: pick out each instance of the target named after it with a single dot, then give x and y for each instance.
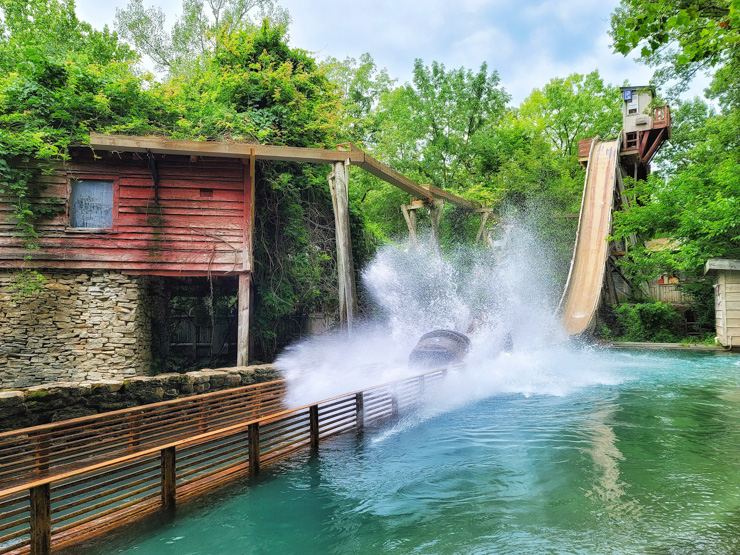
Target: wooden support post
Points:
(169, 478)
(134, 430)
(40, 519)
(253, 438)
(242, 342)
(435, 212)
(360, 410)
(313, 422)
(410, 217)
(483, 219)
(43, 449)
(203, 417)
(394, 406)
(339, 185)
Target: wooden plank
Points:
(389, 175)
(155, 269)
(120, 256)
(188, 243)
(250, 176)
(161, 145)
(201, 180)
(721, 264)
(189, 194)
(449, 197)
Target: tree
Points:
(694, 200)
(573, 108)
(681, 37)
(194, 33)
(362, 85)
(430, 126)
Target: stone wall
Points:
(81, 326)
(61, 401)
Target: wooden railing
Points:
(113, 487)
(46, 450)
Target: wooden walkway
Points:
(65, 483)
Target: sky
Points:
(528, 42)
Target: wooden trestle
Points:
(64, 483)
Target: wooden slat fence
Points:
(51, 449)
(117, 486)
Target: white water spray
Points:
(415, 289)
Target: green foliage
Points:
(694, 202)
(193, 36)
(249, 86)
(25, 283)
(652, 322)
(60, 80)
(431, 127)
(679, 38)
(362, 85)
(576, 107)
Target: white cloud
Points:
(528, 43)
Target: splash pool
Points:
(644, 456)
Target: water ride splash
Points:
(501, 302)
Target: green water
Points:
(646, 461)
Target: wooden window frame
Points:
(114, 219)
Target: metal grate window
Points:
(91, 204)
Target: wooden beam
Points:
(356, 156)
(162, 145)
(449, 197)
(242, 330)
(721, 264)
(654, 147)
(360, 410)
(389, 175)
(313, 424)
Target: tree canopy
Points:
(194, 34)
(693, 199)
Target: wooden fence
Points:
(84, 477)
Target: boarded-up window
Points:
(91, 204)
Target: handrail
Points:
(59, 447)
(67, 507)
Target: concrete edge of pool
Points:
(668, 346)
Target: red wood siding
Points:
(198, 227)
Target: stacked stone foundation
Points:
(61, 401)
(81, 326)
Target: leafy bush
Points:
(649, 321)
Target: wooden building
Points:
(122, 223)
(727, 299)
(130, 213)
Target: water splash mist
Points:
(487, 294)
